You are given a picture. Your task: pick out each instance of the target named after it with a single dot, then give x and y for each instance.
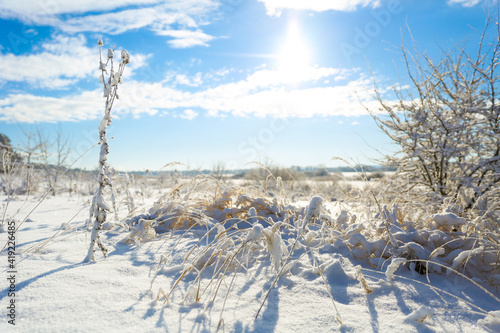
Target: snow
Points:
(448, 220)
(492, 321)
(132, 289)
(389, 273)
(421, 314)
(255, 233)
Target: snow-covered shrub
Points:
(100, 207)
(446, 122)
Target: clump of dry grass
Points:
(236, 228)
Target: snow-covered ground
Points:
(324, 289)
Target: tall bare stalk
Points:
(100, 208)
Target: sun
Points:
(294, 55)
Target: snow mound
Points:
(448, 221)
(422, 314)
(491, 321)
(335, 274)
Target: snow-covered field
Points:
(189, 272)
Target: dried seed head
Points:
(99, 42)
(110, 53)
(125, 57)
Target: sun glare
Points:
(294, 54)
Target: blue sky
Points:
(217, 81)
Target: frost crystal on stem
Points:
(100, 208)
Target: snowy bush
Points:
(447, 121)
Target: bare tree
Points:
(31, 145)
(31, 150)
(12, 170)
(53, 155)
(447, 123)
(219, 171)
(7, 152)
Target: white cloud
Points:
(129, 19)
(29, 8)
(60, 62)
(113, 23)
(179, 19)
(185, 80)
(32, 11)
(189, 114)
(465, 3)
(274, 7)
(28, 108)
(267, 77)
(186, 38)
(57, 63)
(262, 93)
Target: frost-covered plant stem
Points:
(100, 208)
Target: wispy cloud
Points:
(274, 7)
(35, 11)
(185, 80)
(180, 20)
(262, 93)
(31, 8)
(186, 38)
(465, 3)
